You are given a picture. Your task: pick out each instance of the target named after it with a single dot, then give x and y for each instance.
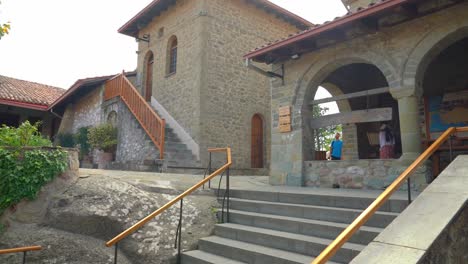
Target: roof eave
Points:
(326, 27)
(32, 106)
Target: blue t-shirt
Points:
(337, 145)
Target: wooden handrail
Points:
(152, 124)
(145, 220)
(21, 249)
(369, 212)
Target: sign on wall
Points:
(285, 119)
(449, 110)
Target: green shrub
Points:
(103, 137)
(24, 172)
(25, 135)
(65, 140)
(81, 138)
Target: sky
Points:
(57, 42)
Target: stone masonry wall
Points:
(134, 145)
(87, 110)
(231, 93)
(179, 93)
(396, 51)
(361, 174)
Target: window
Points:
(172, 55)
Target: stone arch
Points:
(325, 65)
(112, 118)
(431, 45)
(343, 105)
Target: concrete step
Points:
(201, 257)
(291, 242)
(314, 212)
(321, 197)
(308, 227)
(250, 253)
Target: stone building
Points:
(400, 62)
(23, 100)
(191, 71)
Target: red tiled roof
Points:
(373, 8)
(84, 82)
(27, 94)
(155, 8)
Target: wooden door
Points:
(257, 142)
(149, 77)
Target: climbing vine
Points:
(25, 166)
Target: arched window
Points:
(172, 55)
(149, 61)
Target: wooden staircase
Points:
(153, 125)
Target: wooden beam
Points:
(351, 95)
(354, 117)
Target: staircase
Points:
(175, 154)
(291, 226)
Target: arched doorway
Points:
(364, 93)
(444, 83)
(149, 76)
(257, 142)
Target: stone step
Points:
(201, 257)
(291, 242)
(321, 197)
(250, 253)
(308, 227)
(314, 212)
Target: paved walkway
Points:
(168, 182)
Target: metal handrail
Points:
(331, 250)
(145, 220)
(24, 250)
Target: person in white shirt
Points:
(387, 142)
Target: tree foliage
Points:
(324, 136)
(4, 28)
(23, 171)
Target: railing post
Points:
(409, 190)
(24, 257)
(162, 139)
(209, 172)
(227, 190)
(450, 148)
(116, 252)
(178, 240)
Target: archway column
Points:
(410, 130)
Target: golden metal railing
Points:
(331, 250)
(20, 250)
(135, 227)
(150, 121)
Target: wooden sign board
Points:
(359, 116)
(285, 119)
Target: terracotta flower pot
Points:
(104, 159)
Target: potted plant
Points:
(82, 141)
(104, 139)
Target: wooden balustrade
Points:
(153, 125)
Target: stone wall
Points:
(179, 93)
(134, 146)
(231, 93)
(83, 112)
(396, 51)
(361, 174)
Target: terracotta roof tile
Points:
(12, 89)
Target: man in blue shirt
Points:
(336, 147)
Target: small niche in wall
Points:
(161, 32)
